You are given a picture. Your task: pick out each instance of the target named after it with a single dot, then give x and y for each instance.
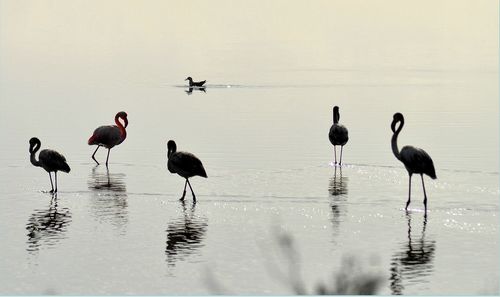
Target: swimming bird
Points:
(338, 134)
(109, 136)
(415, 160)
(49, 160)
(184, 164)
(195, 83)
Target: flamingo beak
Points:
(126, 122)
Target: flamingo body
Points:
(417, 161)
(49, 160)
(184, 164)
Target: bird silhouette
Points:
(338, 134)
(415, 160)
(195, 83)
(49, 160)
(184, 164)
(109, 136)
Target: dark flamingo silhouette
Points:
(415, 160)
(109, 136)
(195, 83)
(184, 164)
(338, 134)
(49, 160)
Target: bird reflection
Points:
(109, 191)
(338, 193)
(190, 90)
(47, 226)
(413, 262)
(185, 235)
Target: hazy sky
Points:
(166, 37)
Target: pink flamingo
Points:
(109, 136)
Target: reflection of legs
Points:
(335, 154)
(194, 197)
(107, 157)
(184, 193)
(51, 184)
(341, 147)
(93, 155)
(425, 196)
(409, 194)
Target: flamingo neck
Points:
(336, 117)
(33, 159)
(394, 143)
(120, 126)
(171, 151)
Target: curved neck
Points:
(123, 132)
(171, 150)
(33, 151)
(394, 142)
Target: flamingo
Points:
(195, 83)
(338, 134)
(49, 160)
(184, 164)
(415, 160)
(109, 136)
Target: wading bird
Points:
(49, 160)
(109, 136)
(338, 134)
(195, 83)
(415, 160)
(184, 164)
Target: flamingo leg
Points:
(194, 196)
(184, 193)
(335, 154)
(409, 194)
(341, 147)
(107, 158)
(55, 175)
(93, 155)
(425, 196)
(51, 184)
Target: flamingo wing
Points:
(107, 136)
(186, 165)
(338, 135)
(417, 160)
(53, 161)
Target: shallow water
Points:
(261, 132)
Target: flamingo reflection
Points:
(47, 226)
(185, 235)
(338, 193)
(414, 262)
(109, 199)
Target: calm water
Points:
(260, 129)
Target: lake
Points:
(274, 210)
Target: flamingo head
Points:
(171, 147)
(34, 142)
(122, 115)
(397, 118)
